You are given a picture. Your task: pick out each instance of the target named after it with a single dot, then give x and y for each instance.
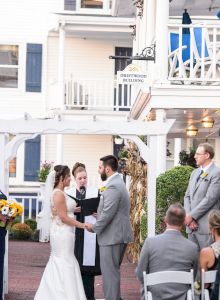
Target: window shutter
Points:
(33, 68)
(32, 159)
(69, 4)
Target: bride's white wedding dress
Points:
(62, 278)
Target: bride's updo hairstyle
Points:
(61, 172)
(214, 220)
(78, 167)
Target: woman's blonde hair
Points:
(214, 220)
(78, 167)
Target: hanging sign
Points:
(132, 74)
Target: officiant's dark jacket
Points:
(2, 250)
(91, 192)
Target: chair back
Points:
(207, 277)
(174, 44)
(200, 38)
(168, 277)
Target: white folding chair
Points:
(168, 277)
(207, 277)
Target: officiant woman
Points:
(86, 246)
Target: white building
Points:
(54, 60)
(184, 82)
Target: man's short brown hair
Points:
(110, 161)
(175, 215)
(208, 149)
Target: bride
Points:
(61, 279)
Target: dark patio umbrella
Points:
(186, 20)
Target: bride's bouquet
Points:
(9, 210)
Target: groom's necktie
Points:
(202, 171)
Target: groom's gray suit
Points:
(167, 251)
(202, 195)
(113, 229)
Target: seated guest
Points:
(169, 251)
(209, 256)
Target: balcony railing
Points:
(97, 95)
(194, 56)
(31, 206)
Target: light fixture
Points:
(208, 122)
(192, 130)
(118, 140)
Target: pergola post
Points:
(151, 185)
(8, 150)
(149, 155)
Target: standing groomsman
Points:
(202, 195)
(2, 251)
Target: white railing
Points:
(194, 57)
(30, 204)
(97, 94)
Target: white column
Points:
(217, 152)
(61, 70)
(189, 142)
(59, 154)
(177, 150)
(162, 18)
(61, 60)
(150, 17)
(161, 152)
(136, 40)
(151, 186)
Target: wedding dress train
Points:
(62, 278)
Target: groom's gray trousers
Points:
(111, 257)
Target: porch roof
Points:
(195, 7)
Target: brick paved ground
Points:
(27, 261)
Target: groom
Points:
(113, 227)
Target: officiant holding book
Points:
(86, 246)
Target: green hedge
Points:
(32, 223)
(171, 187)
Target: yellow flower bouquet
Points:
(9, 210)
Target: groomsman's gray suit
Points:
(113, 229)
(202, 195)
(167, 251)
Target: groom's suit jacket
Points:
(202, 195)
(169, 251)
(113, 216)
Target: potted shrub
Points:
(21, 231)
(44, 170)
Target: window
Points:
(89, 6)
(92, 3)
(12, 168)
(8, 66)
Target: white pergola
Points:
(27, 128)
